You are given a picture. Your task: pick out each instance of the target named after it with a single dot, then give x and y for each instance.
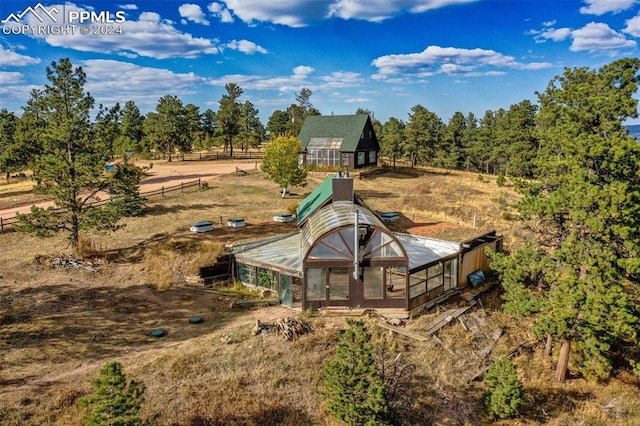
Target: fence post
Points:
(1, 225)
(163, 192)
(199, 186)
(181, 186)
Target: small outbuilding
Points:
(339, 140)
(345, 256)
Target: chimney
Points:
(342, 188)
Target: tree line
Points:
(501, 142)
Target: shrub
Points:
(115, 400)
(501, 180)
(504, 396)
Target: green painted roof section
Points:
(317, 198)
(348, 127)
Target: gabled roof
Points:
(315, 200)
(346, 127)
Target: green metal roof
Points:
(313, 201)
(347, 127)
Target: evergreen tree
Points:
(228, 116)
(451, 155)
(115, 401)
(504, 396)
(281, 163)
(167, 129)
(107, 127)
(392, 139)
(252, 131)
(70, 162)
(131, 131)
(8, 125)
(278, 124)
(423, 135)
(354, 391)
(579, 276)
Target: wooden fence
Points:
(200, 156)
(7, 223)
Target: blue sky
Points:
(382, 55)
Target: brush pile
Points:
(64, 261)
(289, 328)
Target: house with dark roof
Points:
(339, 140)
(345, 256)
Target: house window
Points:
(361, 158)
(372, 157)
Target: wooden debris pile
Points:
(65, 261)
(289, 328)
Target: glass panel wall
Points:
(267, 279)
(338, 283)
(246, 274)
(286, 292)
(417, 283)
(395, 282)
(450, 274)
(373, 283)
(315, 284)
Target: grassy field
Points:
(58, 327)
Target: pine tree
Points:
(115, 401)
(354, 391)
(579, 276)
(504, 395)
(71, 163)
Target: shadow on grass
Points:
(172, 181)
(542, 404)
(161, 209)
(372, 194)
(278, 415)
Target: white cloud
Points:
(219, 11)
(13, 59)
(296, 13)
(300, 77)
(380, 10)
(600, 7)
(302, 71)
(633, 26)
(598, 36)
(128, 6)
(193, 12)
(356, 100)
(448, 60)
(245, 46)
(555, 34)
(149, 36)
(340, 79)
(9, 78)
(111, 81)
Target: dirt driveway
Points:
(165, 174)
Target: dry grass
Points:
(57, 328)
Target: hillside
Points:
(59, 326)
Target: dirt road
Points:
(163, 175)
